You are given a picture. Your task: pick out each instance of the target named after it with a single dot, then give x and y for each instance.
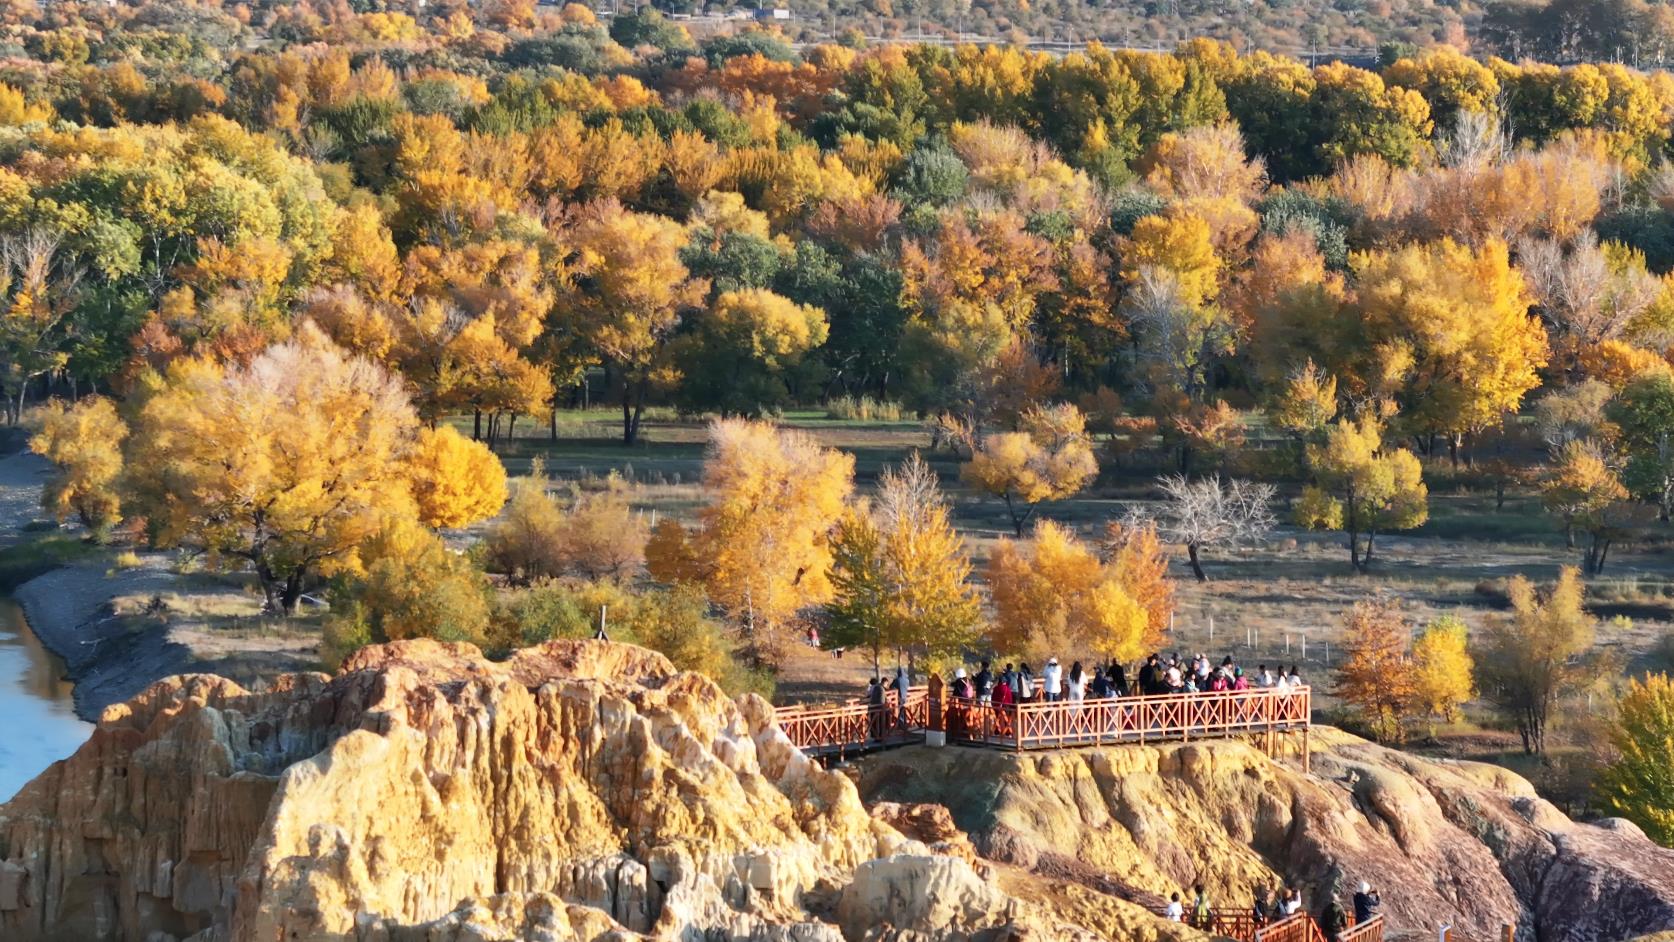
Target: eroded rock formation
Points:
(584, 790)
(1457, 843)
(579, 790)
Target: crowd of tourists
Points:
(1172, 674)
(1270, 907)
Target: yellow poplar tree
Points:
(761, 547)
(1361, 487)
(1050, 459)
(1376, 675)
(1639, 785)
(1443, 670)
(900, 571)
(1054, 597)
(455, 480)
(290, 463)
(84, 440)
(1462, 315)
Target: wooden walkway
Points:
(1301, 927)
(857, 726)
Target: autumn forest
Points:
(972, 348)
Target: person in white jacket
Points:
(1052, 681)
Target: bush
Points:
(864, 409)
(675, 622)
(412, 586)
(598, 535)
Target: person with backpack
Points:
(984, 683)
(1262, 909)
(1333, 921)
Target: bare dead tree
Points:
(1209, 512)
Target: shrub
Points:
(598, 535)
(412, 586)
(864, 409)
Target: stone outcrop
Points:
(587, 790)
(1461, 843)
(578, 790)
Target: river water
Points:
(35, 711)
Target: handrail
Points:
(1045, 725)
(855, 723)
(1297, 927)
(1239, 924)
(1369, 931)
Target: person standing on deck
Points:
(1052, 681)
(984, 683)
(902, 682)
(1263, 907)
(1366, 903)
(1075, 689)
(1332, 920)
(1201, 909)
(1175, 911)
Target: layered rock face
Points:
(585, 790)
(580, 790)
(1455, 843)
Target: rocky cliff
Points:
(1456, 843)
(585, 790)
(579, 790)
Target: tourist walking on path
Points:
(1175, 911)
(1201, 908)
(1261, 910)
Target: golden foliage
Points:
(456, 482)
(1377, 673)
(1636, 785)
(900, 570)
(1054, 597)
(84, 441)
(762, 543)
(1443, 669)
(290, 463)
(1050, 459)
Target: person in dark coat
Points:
(1366, 903)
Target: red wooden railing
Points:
(856, 724)
(1129, 719)
(1369, 931)
(1237, 924)
(1295, 928)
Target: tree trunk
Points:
(1197, 568)
(476, 425)
(1354, 551)
(293, 593)
(1017, 520)
(552, 423)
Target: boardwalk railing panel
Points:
(1129, 719)
(856, 724)
(1369, 931)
